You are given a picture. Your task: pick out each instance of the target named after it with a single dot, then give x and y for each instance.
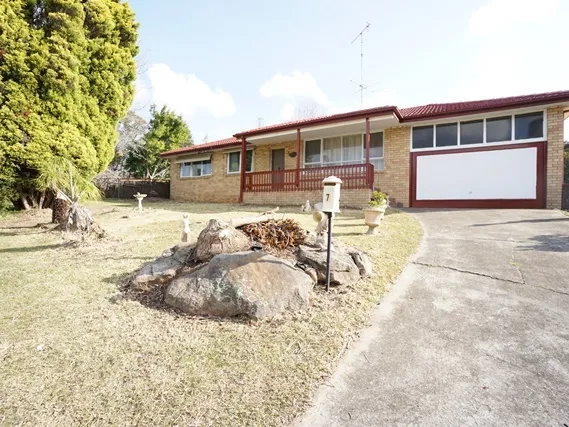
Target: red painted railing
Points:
(352, 176)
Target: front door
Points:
(277, 166)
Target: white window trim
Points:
(484, 143)
(240, 161)
(190, 176)
(342, 161)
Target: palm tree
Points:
(68, 183)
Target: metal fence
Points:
(565, 197)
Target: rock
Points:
(162, 269)
(363, 262)
(251, 283)
(343, 269)
(219, 237)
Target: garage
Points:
(487, 162)
(508, 176)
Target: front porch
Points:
(354, 177)
(296, 160)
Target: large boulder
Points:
(251, 283)
(219, 237)
(162, 269)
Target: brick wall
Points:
(219, 187)
(262, 154)
(554, 157)
(348, 198)
(394, 179)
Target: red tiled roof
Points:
(320, 120)
(213, 145)
(459, 108)
(423, 112)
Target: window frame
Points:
(191, 163)
(342, 161)
(228, 154)
(483, 118)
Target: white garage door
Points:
(503, 177)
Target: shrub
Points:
(378, 198)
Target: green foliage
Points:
(566, 159)
(62, 177)
(166, 131)
(378, 198)
(66, 78)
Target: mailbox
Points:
(331, 195)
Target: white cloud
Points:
(186, 93)
(295, 85)
(287, 113)
(498, 16)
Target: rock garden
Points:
(256, 266)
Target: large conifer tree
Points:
(66, 79)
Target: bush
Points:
(566, 157)
(378, 198)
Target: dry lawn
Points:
(74, 351)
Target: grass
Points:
(73, 351)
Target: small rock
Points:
(343, 269)
(363, 262)
(40, 347)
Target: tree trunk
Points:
(25, 203)
(60, 211)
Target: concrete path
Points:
(475, 332)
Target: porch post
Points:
(243, 166)
(298, 157)
(368, 144)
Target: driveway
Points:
(475, 332)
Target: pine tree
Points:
(66, 79)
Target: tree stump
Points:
(60, 211)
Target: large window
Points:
(234, 161)
(195, 169)
(518, 127)
(343, 150)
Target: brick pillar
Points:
(554, 174)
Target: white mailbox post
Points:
(330, 205)
(331, 194)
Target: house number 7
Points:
(327, 196)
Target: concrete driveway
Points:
(475, 332)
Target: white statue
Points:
(186, 230)
(139, 197)
(322, 227)
(306, 207)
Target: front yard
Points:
(74, 351)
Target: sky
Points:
(227, 66)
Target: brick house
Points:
(500, 153)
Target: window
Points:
(332, 150)
(499, 129)
(195, 169)
(423, 137)
(472, 132)
(343, 150)
(352, 149)
(504, 129)
(312, 152)
(529, 125)
(233, 162)
(376, 151)
(447, 135)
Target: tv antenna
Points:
(361, 85)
